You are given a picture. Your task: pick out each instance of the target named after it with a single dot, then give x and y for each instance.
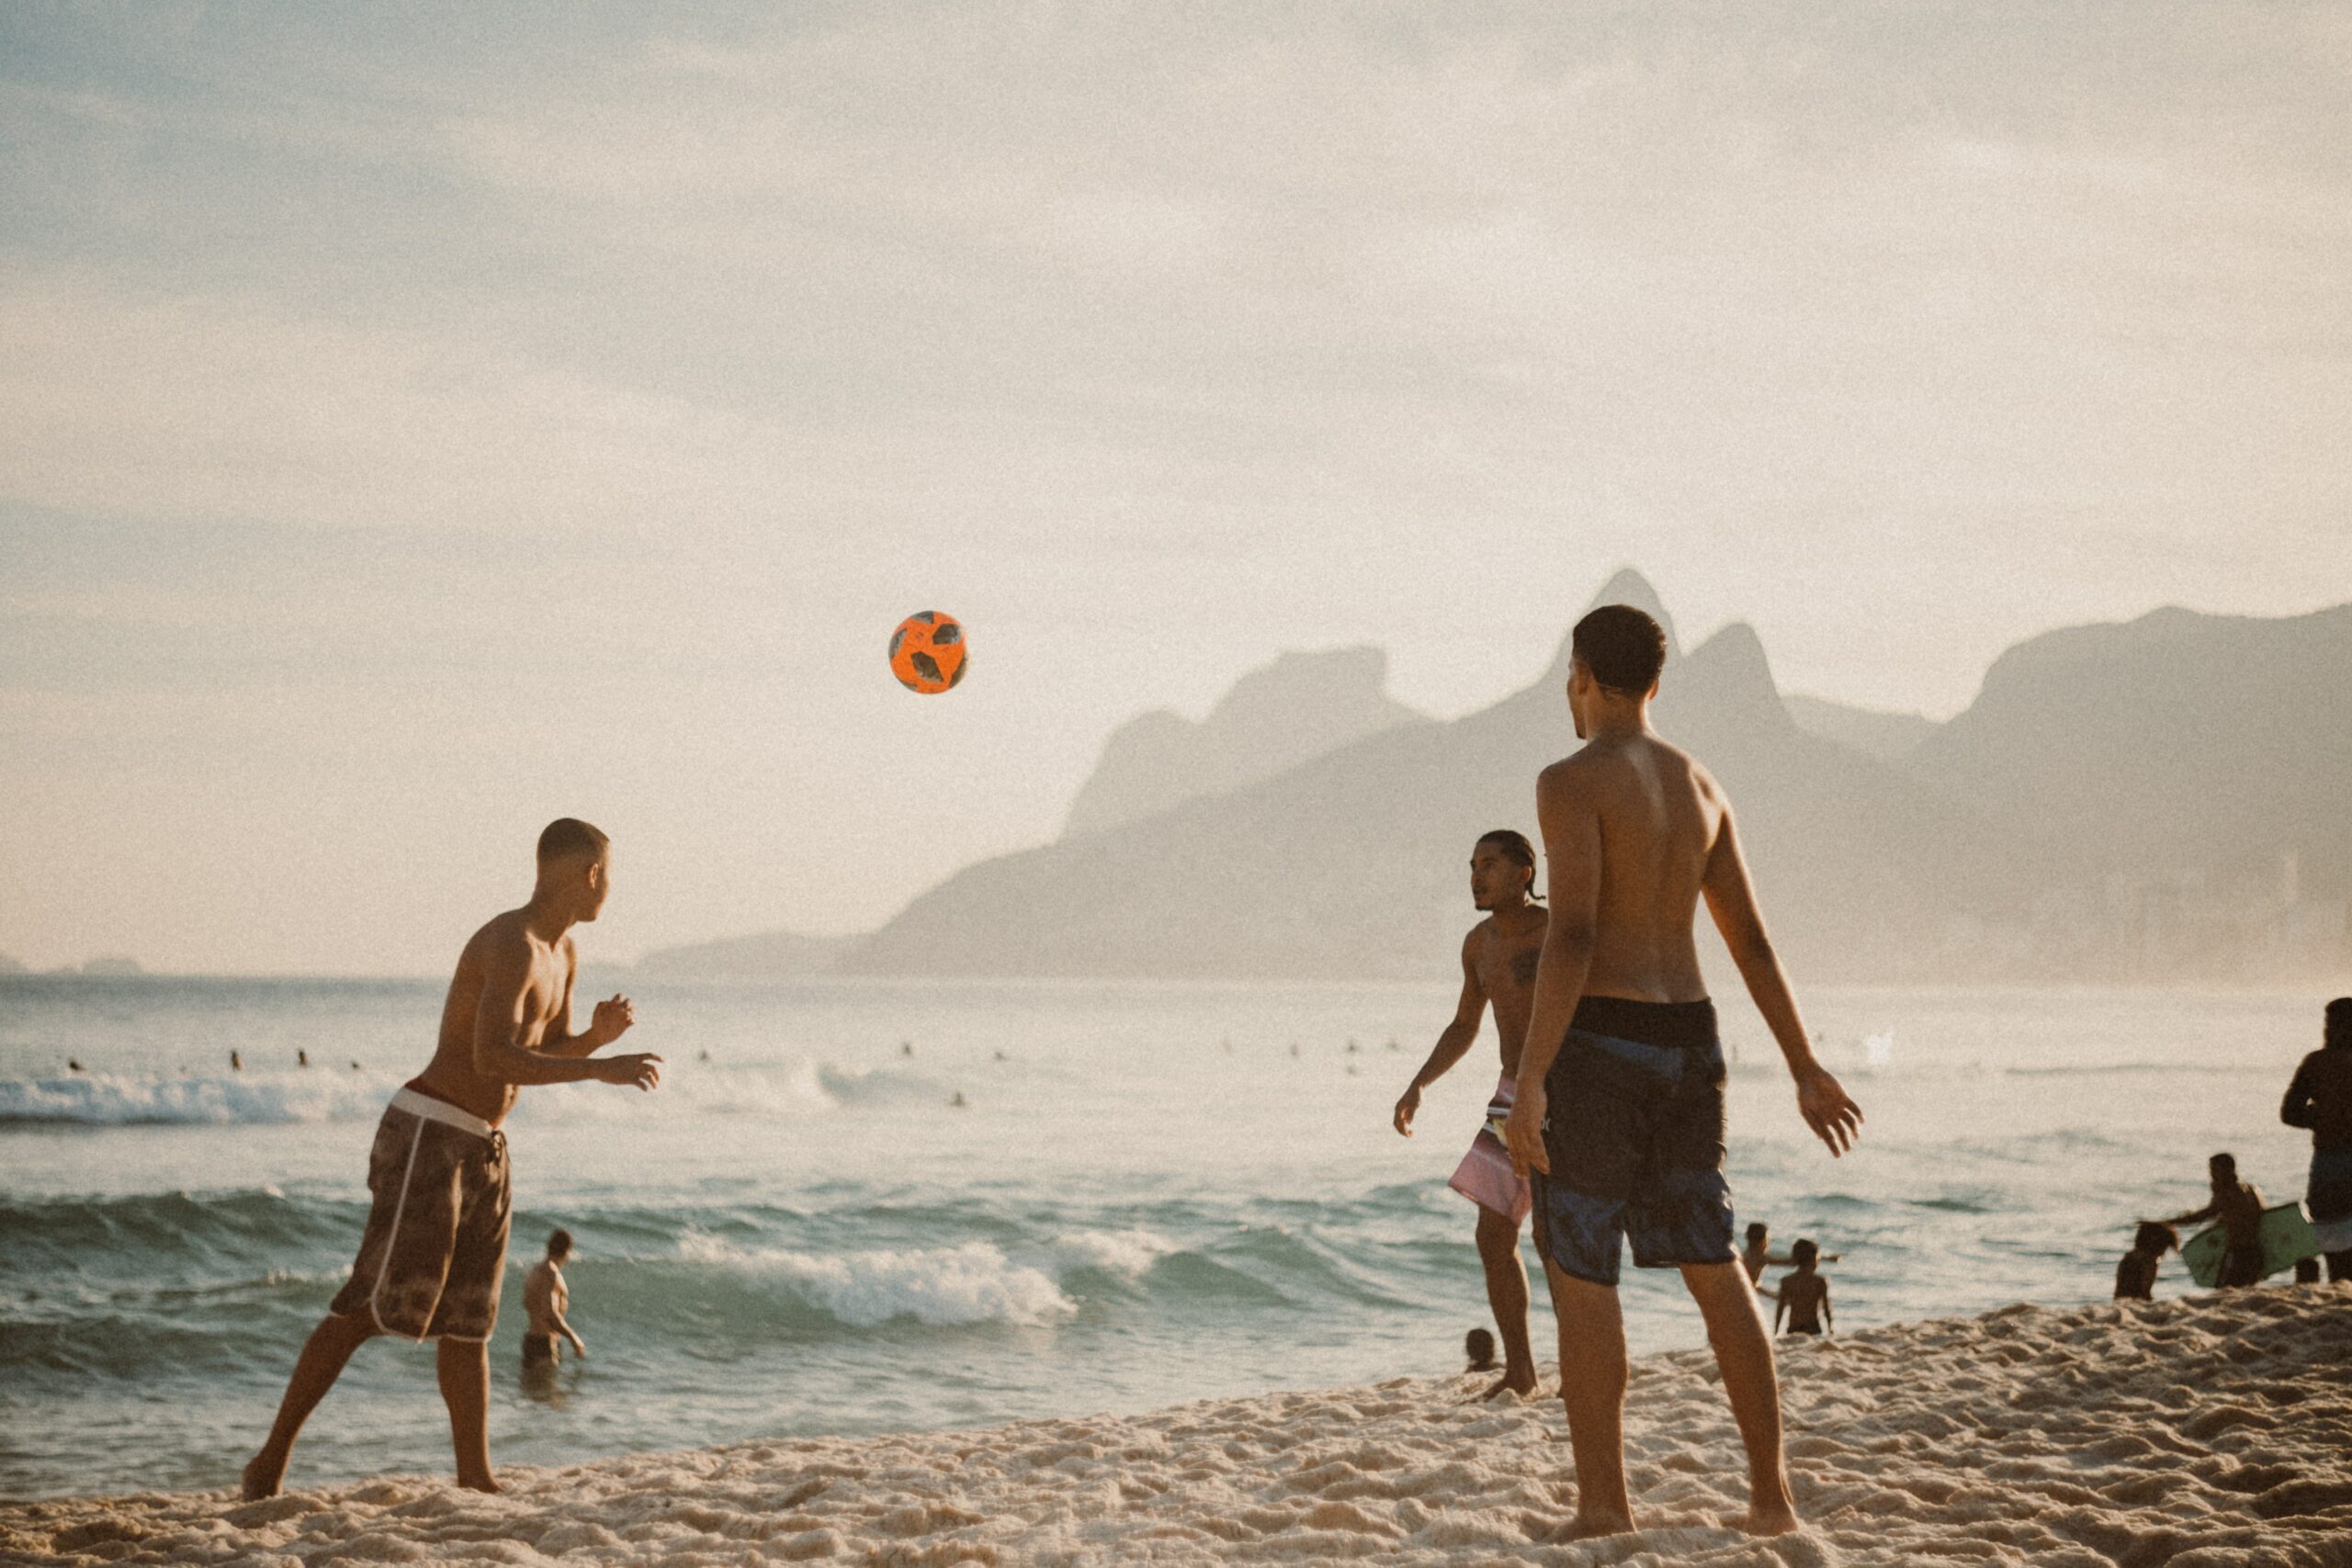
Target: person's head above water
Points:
(2223, 1169)
(1806, 1252)
(1615, 654)
(2154, 1239)
(1757, 1231)
(559, 1246)
(1502, 869)
(575, 868)
(2338, 1036)
(1479, 1345)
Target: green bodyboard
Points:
(2287, 1240)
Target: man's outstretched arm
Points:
(1453, 1044)
(503, 1016)
(1571, 828)
(1832, 1114)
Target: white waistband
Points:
(440, 1111)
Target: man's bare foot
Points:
(262, 1479)
(482, 1483)
(1592, 1527)
(1779, 1518)
(1521, 1384)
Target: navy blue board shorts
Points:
(1636, 1138)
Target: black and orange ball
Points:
(927, 651)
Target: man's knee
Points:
(1497, 1236)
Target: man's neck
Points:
(545, 919)
(1512, 914)
(1619, 721)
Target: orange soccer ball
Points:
(927, 651)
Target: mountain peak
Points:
(1274, 718)
(1628, 586)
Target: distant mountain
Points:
(771, 956)
(2182, 748)
(1889, 737)
(1352, 863)
(1296, 708)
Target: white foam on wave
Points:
(689, 1089)
(1127, 1253)
(108, 1100)
(945, 1285)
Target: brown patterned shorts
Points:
(433, 1255)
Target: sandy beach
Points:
(2198, 1430)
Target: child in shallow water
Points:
(1479, 1345)
(1804, 1296)
(2136, 1276)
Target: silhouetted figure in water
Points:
(2136, 1275)
(74, 1066)
(959, 1103)
(1479, 1345)
(2320, 1099)
(2238, 1205)
(1804, 1296)
(355, 1066)
(906, 1047)
(236, 1062)
(301, 1058)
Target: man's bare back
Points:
(1656, 819)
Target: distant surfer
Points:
(2238, 1205)
(2320, 1099)
(301, 1058)
(236, 1062)
(1498, 959)
(1620, 1092)
(546, 1300)
(433, 1253)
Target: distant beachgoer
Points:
(2135, 1274)
(704, 1056)
(301, 1058)
(354, 1065)
(2320, 1098)
(1621, 1091)
(433, 1254)
(236, 1062)
(959, 1103)
(74, 1066)
(2238, 1205)
(1757, 1256)
(1479, 1345)
(906, 1047)
(1498, 960)
(1804, 1296)
(546, 1300)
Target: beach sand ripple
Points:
(2195, 1432)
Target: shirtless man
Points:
(546, 1298)
(2320, 1100)
(1498, 960)
(1621, 1100)
(433, 1254)
(2238, 1205)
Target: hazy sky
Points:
(417, 423)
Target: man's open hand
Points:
(1827, 1109)
(1409, 1104)
(643, 1070)
(611, 1019)
(1523, 1131)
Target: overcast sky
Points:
(418, 424)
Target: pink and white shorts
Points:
(1484, 1174)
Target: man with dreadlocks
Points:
(1498, 962)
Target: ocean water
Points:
(1153, 1193)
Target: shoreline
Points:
(2115, 1432)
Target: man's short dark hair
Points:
(1622, 648)
(1804, 1252)
(569, 836)
(1516, 850)
(558, 1244)
(2223, 1165)
(2155, 1238)
(1756, 1230)
(2339, 1023)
